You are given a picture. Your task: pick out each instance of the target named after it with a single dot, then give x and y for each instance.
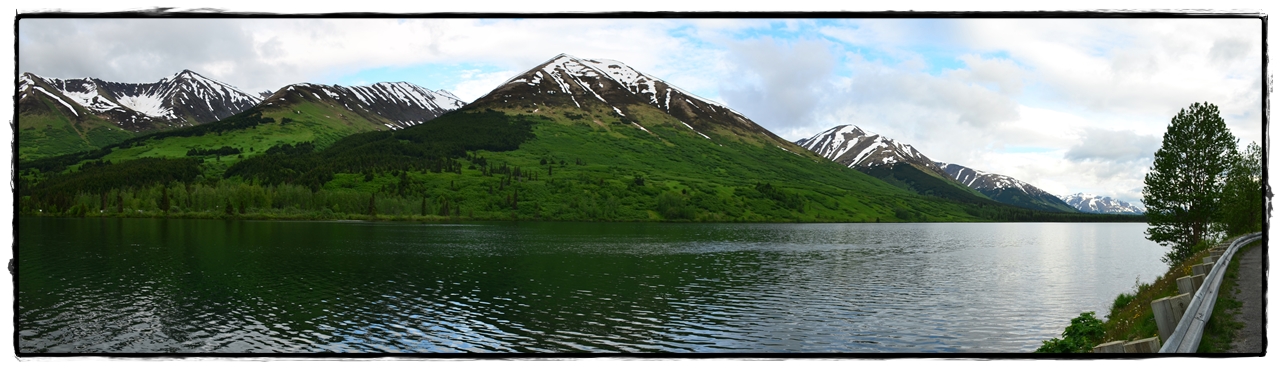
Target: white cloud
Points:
(1132, 66)
(476, 85)
(919, 106)
(269, 53)
(779, 85)
(1113, 145)
(1003, 74)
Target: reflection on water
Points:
(154, 285)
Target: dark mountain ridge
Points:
(905, 166)
(1006, 189)
(886, 159)
(396, 105)
(186, 98)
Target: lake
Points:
(215, 286)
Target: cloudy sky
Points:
(1068, 105)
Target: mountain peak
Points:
(1004, 188)
(181, 99)
(853, 146)
(403, 104)
(1086, 202)
(610, 89)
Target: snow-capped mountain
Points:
(1003, 188)
(881, 157)
(402, 104)
(854, 147)
(186, 98)
(609, 87)
(1099, 204)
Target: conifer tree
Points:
(164, 198)
(1242, 197)
(1182, 191)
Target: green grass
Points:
(307, 122)
(53, 134)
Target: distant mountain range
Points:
(853, 147)
(893, 161)
(58, 116)
(401, 104)
(1005, 189)
(186, 98)
(1098, 204)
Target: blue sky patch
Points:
(432, 76)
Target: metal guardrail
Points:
(1186, 337)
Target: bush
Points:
(1121, 301)
(672, 206)
(1080, 337)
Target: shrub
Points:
(1080, 337)
(1121, 301)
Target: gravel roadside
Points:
(1249, 292)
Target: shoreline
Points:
(258, 216)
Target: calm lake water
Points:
(195, 286)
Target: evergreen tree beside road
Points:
(1183, 190)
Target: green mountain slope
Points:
(927, 183)
(101, 113)
(291, 116)
(49, 128)
(496, 164)
(293, 119)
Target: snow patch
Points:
(686, 125)
(91, 100)
(64, 103)
(641, 128)
(149, 105)
(866, 152)
(784, 149)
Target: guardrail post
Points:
(1111, 347)
(1166, 321)
(1180, 303)
(1201, 269)
(1189, 284)
(1168, 311)
(1210, 259)
(1147, 345)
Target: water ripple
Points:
(235, 287)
